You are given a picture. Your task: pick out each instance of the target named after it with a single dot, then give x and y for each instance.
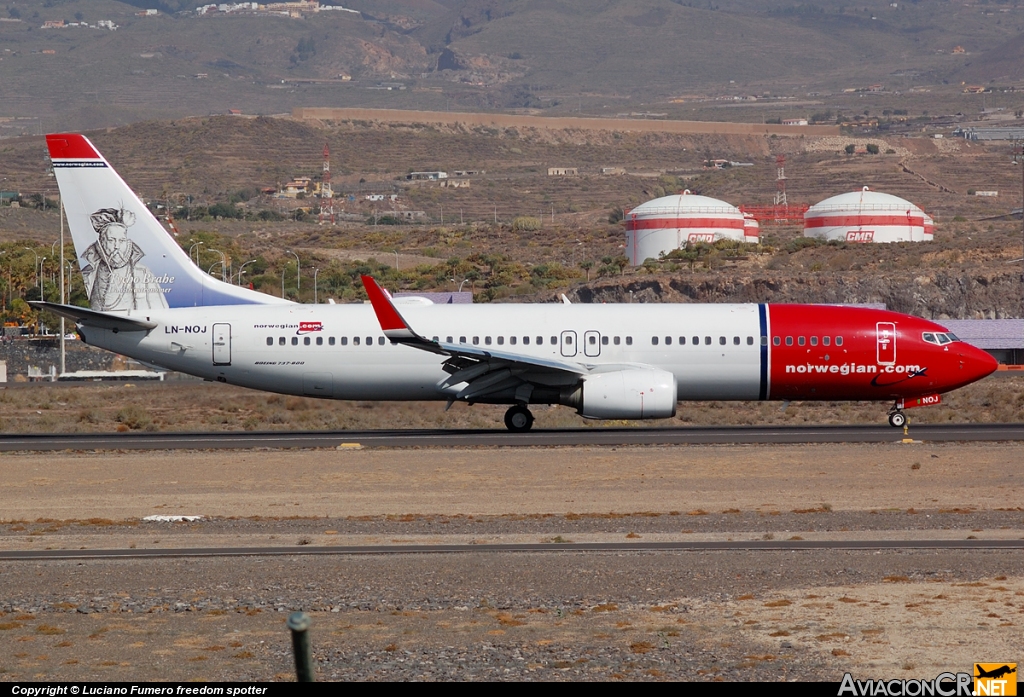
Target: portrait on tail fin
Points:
(114, 276)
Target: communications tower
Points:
(781, 204)
(326, 193)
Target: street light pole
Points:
(223, 263)
(241, 270)
(197, 253)
(315, 272)
(298, 270)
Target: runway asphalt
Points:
(500, 438)
(742, 546)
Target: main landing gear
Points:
(518, 419)
(897, 419)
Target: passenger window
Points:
(435, 339)
(617, 341)
(526, 341)
(696, 341)
(448, 339)
(295, 341)
(629, 341)
(750, 341)
(330, 340)
(462, 339)
(825, 340)
(344, 341)
(568, 339)
(319, 341)
(800, 340)
(511, 340)
(270, 341)
(721, 340)
(554, 340)
(604, 340)
(707, 341)
(281, 341)
(814, 341)
(476, 340)
(369, 341)
(777, 341)
(355, 341)
(487, 340)
(380, 340)
(305, 340)
(668, 341)
(764, 340)
(736, 340)
(593, 340)
(540, 340)
(682, 341)
(839, 341)
(789, 341)
(654, 341)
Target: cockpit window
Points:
(939, 338)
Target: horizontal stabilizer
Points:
(94, 318)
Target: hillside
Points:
(616, 56)
(568, 244)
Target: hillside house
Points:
(563, 171)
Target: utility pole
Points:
(1018, 159)
(63, 301)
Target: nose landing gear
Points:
(897, 419)
(518, 419)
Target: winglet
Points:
(394, 325)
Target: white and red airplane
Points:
(148, 301)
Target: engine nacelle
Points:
(642, 393)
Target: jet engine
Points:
(632, 393)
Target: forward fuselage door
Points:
(885, 340)
(592, 344)
(568, 343)
(222, 344)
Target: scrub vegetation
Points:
(191, 405)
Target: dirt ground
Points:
(637, 616)
(509, 481)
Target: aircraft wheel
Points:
(897, 419)
(518, 419)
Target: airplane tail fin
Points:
(128, 260)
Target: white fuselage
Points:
(340, 352)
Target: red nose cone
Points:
(978, 363)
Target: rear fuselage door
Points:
(222, 344)
(569, 343)
(885, 341)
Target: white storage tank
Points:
(670, 222)
(866, 216)
(751, 229)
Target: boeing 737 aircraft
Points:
(148, 301)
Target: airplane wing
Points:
(92, 318)
(485, 371)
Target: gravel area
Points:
(808, 615)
